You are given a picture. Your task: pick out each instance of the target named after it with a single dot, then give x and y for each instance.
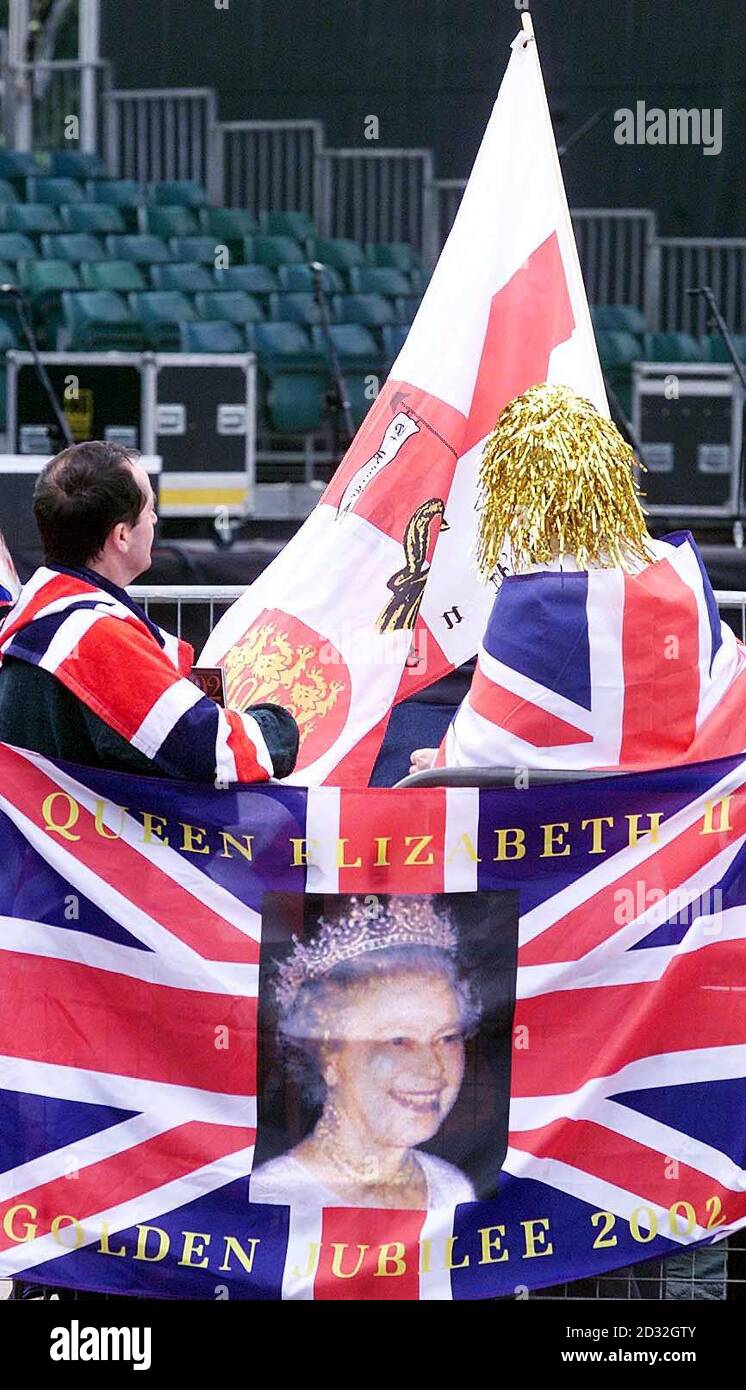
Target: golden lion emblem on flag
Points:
(282, 661)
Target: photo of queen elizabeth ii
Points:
(374, 1014)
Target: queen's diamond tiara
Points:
(366, 926)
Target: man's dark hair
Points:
(80, 494)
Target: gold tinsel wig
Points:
(557, 478)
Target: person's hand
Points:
(422, 759)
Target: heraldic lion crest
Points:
(267, 666)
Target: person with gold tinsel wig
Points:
(604, 647)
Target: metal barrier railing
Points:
(271, 166)
(688, 262)
(206, 602)
(379, 195)
(163, 133)
(39, 99)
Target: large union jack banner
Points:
(586, 1113)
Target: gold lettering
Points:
(549, 851)
(341, 864)
(101, 828)
(152, 835)
(504, 844)
(467, 843)
(709, 827)
(338, 1257)
(635, 833)
(597, 844)
(246, 849)
(450, 1244)
(71, 1221)
(391, 1254)
(164, 1244)
(382, 849)
(300, 852)
(490, 1242)
(9, 1217)
(535, 1239)
(190, 843)
(51, 825)
(103, 1246)
(245, 1257)
(313, 1258)
(426, 1251)
(192, 1247)
(420, 843)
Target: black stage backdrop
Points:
(429, 70)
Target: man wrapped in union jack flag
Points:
(604, 648)
(85, 675)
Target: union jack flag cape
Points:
(133, 676)
(599, 668)
(134, 1091)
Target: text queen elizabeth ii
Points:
(374, 1013)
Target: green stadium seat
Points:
(140, 248)
(42, 278)
(161, 313)
(232, 306)
(282, 345)
(372, 310)
(8, 193)
(295, 402)
(202, 249)
(57, 192)
(396, 253)
(45, 281)
(299, 279)
(407, 308)
(100, 321)
(618, 318)
(77, 164)
(14, 247)
(338, 252)
(353, 342)
(124, 277)
(276, 250)
(394, 337)
(8, 273)
(419, 279)
(184, 192)
(119, 193)
(714, 348)
(617, 351)
(618, 348)
(73, 246)
(99, 218)
(213, 335)
(9, 338)
(379, 279)
(125, 194)
(186, 276)
(168, 221)
(31, 218)
(258, 280)
(18, 165)
(227, 224)
(294, 308)
(671, 347)
(298, 225)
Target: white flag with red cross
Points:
(377, 594)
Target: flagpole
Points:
(528, 36)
